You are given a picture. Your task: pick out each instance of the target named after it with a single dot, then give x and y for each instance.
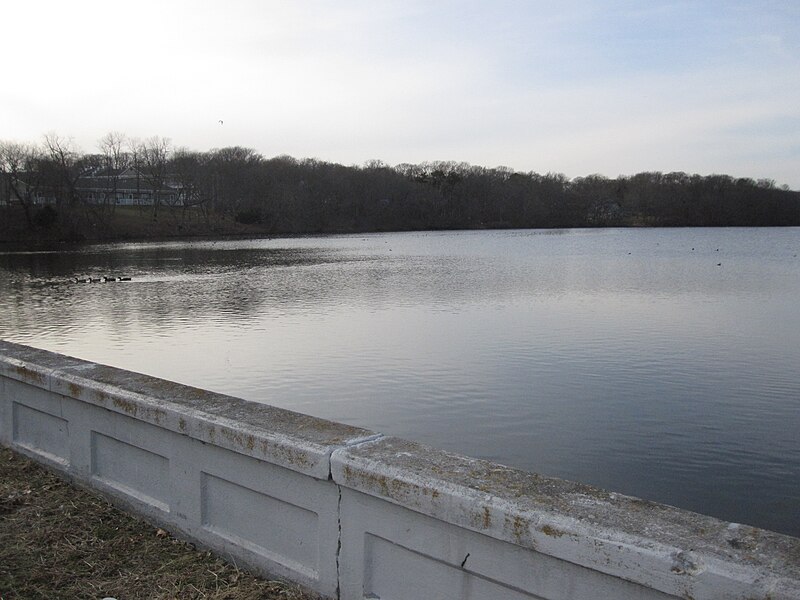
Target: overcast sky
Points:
(578, 87)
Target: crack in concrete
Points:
(348, 444)
(338, 542)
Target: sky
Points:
(576, 87)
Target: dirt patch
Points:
(59, 541)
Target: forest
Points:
(54, 191)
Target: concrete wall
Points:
(354, 514)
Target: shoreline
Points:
(59, 244)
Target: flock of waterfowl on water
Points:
(104, 279)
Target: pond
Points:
(663, 363)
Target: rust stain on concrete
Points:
(30, 375)
(126, 406)
(552, 531)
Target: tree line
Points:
(284, 195)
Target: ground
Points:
(59, 541)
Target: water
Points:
(661, 363)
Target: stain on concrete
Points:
(687, 563)
(518, 529)
(551, 531)
(29, 375)
(126, 406)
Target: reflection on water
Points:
(661, 363)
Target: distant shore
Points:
(131, 225)
(55, 193)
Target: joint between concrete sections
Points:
(348, 444)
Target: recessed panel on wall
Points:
(283, 532)
(134, 471)
(387, 568)
(41, 433)
(383, 542)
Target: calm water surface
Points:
(660, 363)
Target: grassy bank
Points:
(59, 541)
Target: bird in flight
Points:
(220, 121)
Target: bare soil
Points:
(61, 541)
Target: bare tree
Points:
(235, 177)
(65, 159)
(194, 182)
(66, 165)
(116, 159)
(155, 153)
(135, 154)
(20, 165)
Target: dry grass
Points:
(59, 541)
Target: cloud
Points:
(613, 86)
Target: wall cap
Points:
(290, 439)
(673, 550)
